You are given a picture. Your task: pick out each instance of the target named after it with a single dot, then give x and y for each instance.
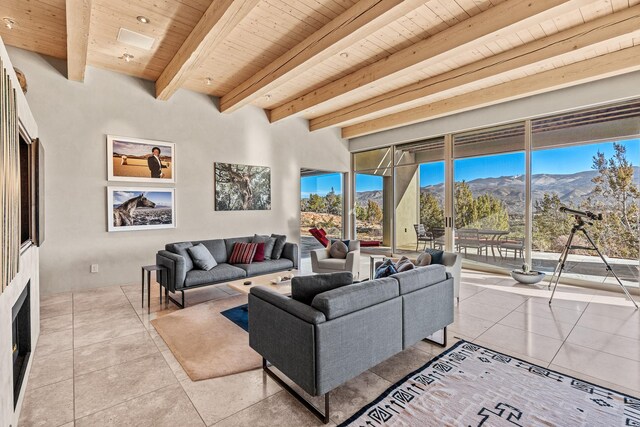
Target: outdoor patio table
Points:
(492, 238)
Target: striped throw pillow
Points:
(243, 253)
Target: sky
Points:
(321, 184)
(138, 149)
(162, 198)
(552, 161)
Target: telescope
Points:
(584, 214)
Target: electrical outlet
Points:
(94, 268)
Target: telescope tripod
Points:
(580, 226)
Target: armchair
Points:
(321, 262)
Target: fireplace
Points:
(21, 339)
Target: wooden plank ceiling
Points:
(364, 66)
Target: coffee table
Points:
(265, 280)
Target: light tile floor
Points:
(100, 362)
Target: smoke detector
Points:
(135, 39)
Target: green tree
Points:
(550, 226)
(316, 203)
(490, 213)
(616, 195)
(361, 213)
(374, 212)
(463, 205)
(486, 211)
(431, 212)
(333, 203)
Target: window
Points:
(588, 160)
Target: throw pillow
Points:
(338, 250)
(305, 288)
(404, 264)
(243, 253)
(181, 249)
(423, 260)
(201, 257)
(279, 245)
(259, 256)
(386, 269)
(269, 243)
(436, 255)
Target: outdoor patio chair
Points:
(469, 238)
(438, 237)
(515, 245)
(422, 235)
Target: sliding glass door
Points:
(419, 196)
(489, 195)
(321, 207)
(373, 199)
(493, 194)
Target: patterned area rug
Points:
(469, 385)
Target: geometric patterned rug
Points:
(469, 385)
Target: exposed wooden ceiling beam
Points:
(218, 21)
(510, 16)
(609, 27)
(78, 18)
(608, 65)
(356, 23)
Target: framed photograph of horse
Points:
(138, 208)
(140, 160)
(242, 187)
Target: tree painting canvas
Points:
(242, 187)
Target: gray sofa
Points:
(349, 329)
(183, 276)
(452, 263)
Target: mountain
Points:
(572, 188)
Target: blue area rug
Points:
(238, 315)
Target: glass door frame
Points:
(449, 190)
(344, 181)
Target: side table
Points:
(372, 264)
(160, 274)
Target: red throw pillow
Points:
(259, 256)
(243, 253)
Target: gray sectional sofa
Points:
(183, 276)
(349, 329)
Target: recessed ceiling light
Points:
(9, 22)
(268, 96)
(127, 57)
(208, 81)
(344, 55)
(143, 19)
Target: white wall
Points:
(27, 273)
(73, 121)
(626, 86)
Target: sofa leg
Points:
(444, 339)
(322, 417)
(181, 305)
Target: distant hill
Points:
(572, 188)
